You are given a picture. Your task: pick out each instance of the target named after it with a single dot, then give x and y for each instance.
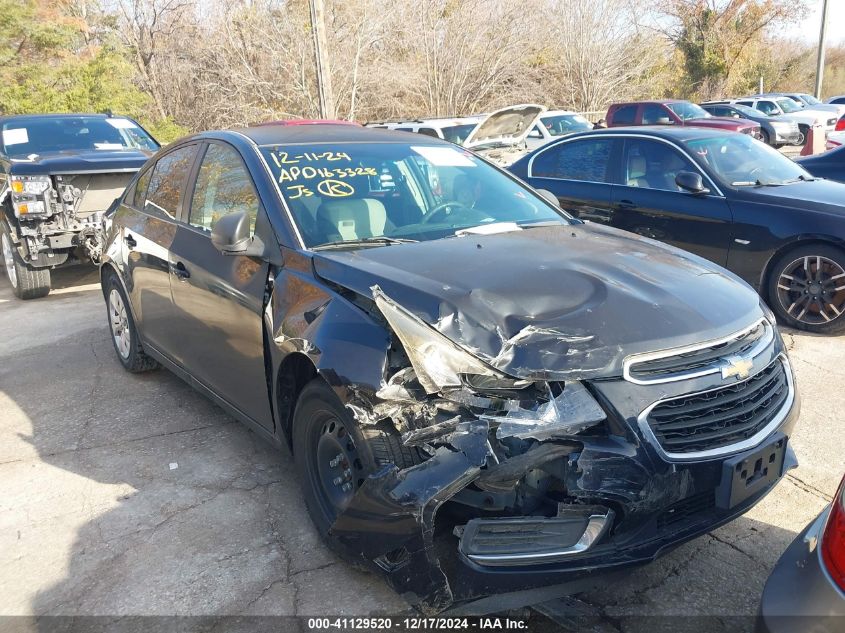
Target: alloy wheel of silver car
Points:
(811, 289)
(119, 324)
(9, 261)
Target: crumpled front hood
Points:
(553, 302)
(70, 162)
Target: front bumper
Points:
(799, 595)
(403, 521)
(794, 137)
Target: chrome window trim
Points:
(622, 135)
(722, 451)
(596, 526)
(759, 347)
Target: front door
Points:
(648, 202)
(218, 299)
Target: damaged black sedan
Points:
(482, 394)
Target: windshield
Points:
(741, 161)
(348, 192)
(788, 105)
(458, 133)
(79, 133)
(747, 112)
(810, 99)
(687, 111)
(563, 124)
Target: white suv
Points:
(804, 117)
(554, 124)
(454, 130)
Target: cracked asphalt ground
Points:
(124, 494)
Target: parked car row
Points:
(490, 380)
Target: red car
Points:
(674, 112)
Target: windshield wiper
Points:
(381, 240)
(756, 183)
(801, 178)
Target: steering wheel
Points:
(440, 208)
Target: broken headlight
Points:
(438, 362)
(27, 195)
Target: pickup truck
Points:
(59, 173)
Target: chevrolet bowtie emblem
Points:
(737, 366)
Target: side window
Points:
(535, 132)
(428, 132)
(140, 192)
(164, 191)
(653, 165)
(625, 115)
(579, 160)
(767, 107)
(655, 114)
(750, 104)
(223, 187)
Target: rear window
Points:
(164, 192)
(584, 160)
(73, 133)
(625, 115)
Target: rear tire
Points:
(27, 282)
(334, 456)
(806, 288)
(124, 333)
(764, 136)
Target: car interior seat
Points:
(636, 171)
(351, 217)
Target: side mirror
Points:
(664, 120)
(691, 182)
(549, 197)
(231, 234)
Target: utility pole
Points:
(321, 58)
(820, 62)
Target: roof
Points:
(321, 133)
(60, 115)
(557, 113)
(679, 133)
(660, 101)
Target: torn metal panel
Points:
(588, 295)
(568, 413)
(390, 520)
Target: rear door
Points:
(148, 228)
(218, 299)
(648, 202)
(579, 172)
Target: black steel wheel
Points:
(807, 288)
(334, 455)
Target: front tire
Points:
(334, 456)
(27, 282)
(127, 343)
(764, 136)
(807, 288)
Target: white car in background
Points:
(454, 130)
(834, 140)
(804, 117)
(554, 124)
(805, 100)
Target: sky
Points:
(808, 29)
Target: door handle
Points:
(626, 204)
(179, 270)
(130, 241)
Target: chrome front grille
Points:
(698, 360)
(729, 416)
